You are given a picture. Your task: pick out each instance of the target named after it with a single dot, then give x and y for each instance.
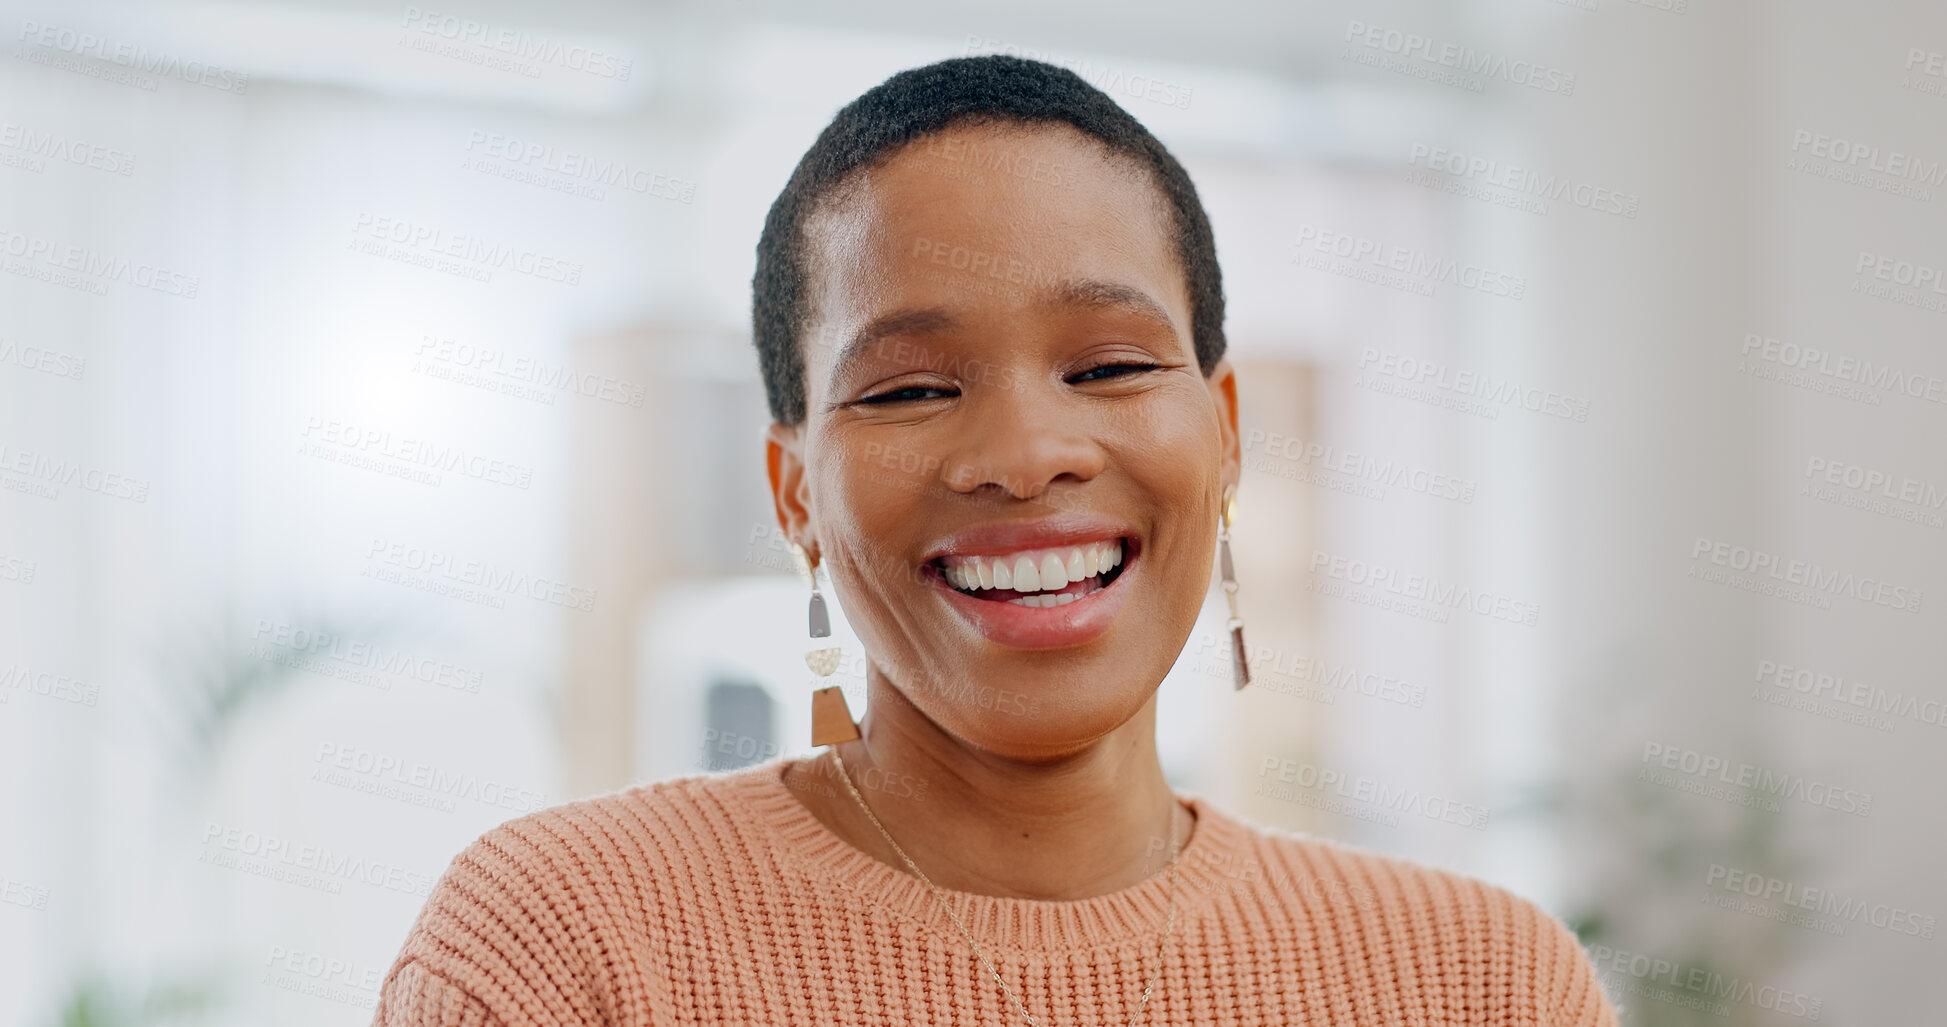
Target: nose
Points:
(1019, 442)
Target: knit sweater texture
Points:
(720, 899)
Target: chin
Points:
(1053, 704)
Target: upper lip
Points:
(1063, 529)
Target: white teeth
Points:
(1054, 573)
(1035, 570)
(1027, 576)
(1047, 599)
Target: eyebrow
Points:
(1090, 293)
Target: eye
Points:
(903, 395)
(1122, 369)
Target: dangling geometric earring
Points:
(831, 719)
(1240, 667)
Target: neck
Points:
(1092, 822)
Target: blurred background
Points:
(380, 460)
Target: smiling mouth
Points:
(1054, 576)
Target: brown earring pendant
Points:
(831, 718)
(1239, 665)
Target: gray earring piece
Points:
(1240, 666)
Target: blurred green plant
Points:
(96, 1001)
(1657, 846)
(205, 688)
(210, 683)
(1671, 840)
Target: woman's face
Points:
(999, 374)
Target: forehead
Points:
(989, 216)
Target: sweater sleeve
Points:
(498, 942)
(1576, 998)
(415, 996)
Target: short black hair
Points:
(920, 101)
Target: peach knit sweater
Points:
(720, 899)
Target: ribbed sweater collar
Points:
(1215, 857)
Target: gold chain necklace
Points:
(1141, 1005)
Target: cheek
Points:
(863, 509)
(874, 486)
(1172, 443)
(1174, 459)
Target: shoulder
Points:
(1437, 922)
(529, 917)
(654, 830)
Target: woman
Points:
(989, 316)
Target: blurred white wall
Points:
(262, 673)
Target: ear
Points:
(790, 492)
(1223, 391)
